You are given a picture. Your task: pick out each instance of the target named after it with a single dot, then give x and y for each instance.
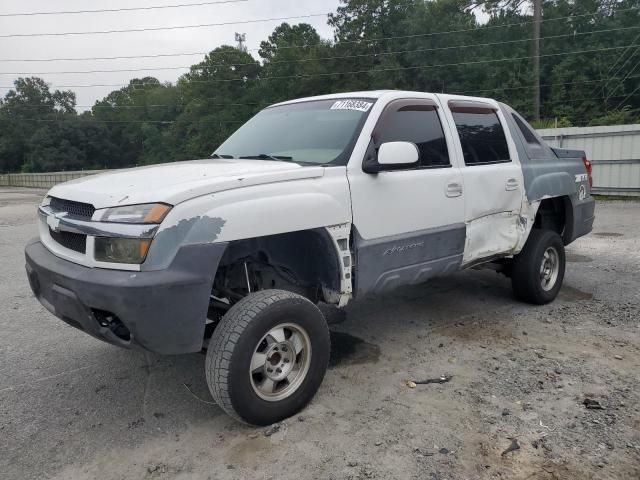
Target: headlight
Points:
(145, 213)
(121, 250)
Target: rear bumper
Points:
(163, 311)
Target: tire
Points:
(533, 281)
(269, 329)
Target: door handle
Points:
(512, 184)
(454, 189)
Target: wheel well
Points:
(556, 214)
(303, 262)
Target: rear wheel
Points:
(538, 270)
(268, 356)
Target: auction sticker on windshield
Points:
(352, 105)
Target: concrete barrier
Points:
(42, 180)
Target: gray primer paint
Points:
(196, 230)
(551, 172)
(545, 173)
(386, 263)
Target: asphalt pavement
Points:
(73, 407)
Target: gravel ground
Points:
(72, 407)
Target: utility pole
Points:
(241, 38)
(537, 17)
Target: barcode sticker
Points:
(359, 105)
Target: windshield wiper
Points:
(220, 155)
(264, 156)
(284, 158)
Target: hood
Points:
(176, 182)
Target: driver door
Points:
(409, 222)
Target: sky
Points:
(192, 40)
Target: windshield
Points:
(315, 132)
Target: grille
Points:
(73, 241)
(77, 209)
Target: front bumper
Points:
(164, 311)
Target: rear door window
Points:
(481, 135)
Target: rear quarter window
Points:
(534, 145)
(526, 132)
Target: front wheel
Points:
(538, 270)
(268, 356)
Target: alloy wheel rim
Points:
(280, 362)
(549, 268)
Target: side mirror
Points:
(398, 154)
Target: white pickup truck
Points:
(321, 199)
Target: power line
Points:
(121, 57)
(634, 44)
(156, 29)
(353, 72)
(118, 70)
(626, 76)
(574, 100)
(633, 54)
(127, 9)
(620, 57)
(164, 122)
(155, 105)
(310, 59)
(627, 97)
(525, 87)
(242, 22)
(224, 122)
(205, 101)
(344, 42)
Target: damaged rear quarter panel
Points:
(552, 173)
(541, 183)
(545, 174)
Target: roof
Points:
(370, 94)
(363, 94)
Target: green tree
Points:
(436, 45)
(30, 107)
(143, 107)
(73, 143)
(217, 100)
(295, 64)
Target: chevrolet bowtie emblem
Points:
(54, 223)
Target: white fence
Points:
(613, 150)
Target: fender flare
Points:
(555, 184)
